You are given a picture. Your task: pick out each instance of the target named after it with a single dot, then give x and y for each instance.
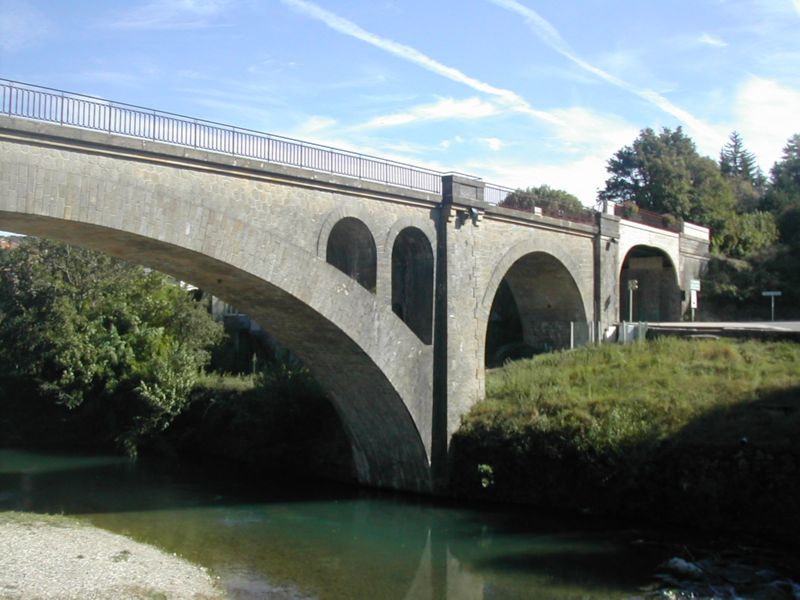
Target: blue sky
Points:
(518, 92)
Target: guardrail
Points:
(497, 194)
(87, 112)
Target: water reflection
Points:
(275, 539)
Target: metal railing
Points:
(497, 194)
(648, 217)
(87, 112)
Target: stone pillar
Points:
(457, 357)
(606, 271)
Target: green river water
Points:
(268, 538)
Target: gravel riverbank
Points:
(51, 557)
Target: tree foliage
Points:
(664, 173)
(94, 332)
(783, 196)
(744, 234)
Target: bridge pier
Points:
(457, 351)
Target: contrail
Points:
(342, 25)
(550, 36)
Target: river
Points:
(269, 538)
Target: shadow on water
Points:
(278, 539)
(78, 484)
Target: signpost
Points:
(771, 294)
(694, 287)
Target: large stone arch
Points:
(656, 296)
(375, 370)
(533, 298)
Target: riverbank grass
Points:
(693, 431)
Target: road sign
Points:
(771, 294)
(693, 299)
(694, 285)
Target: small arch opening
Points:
(412, 282)
(351, 249)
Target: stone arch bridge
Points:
(395, 294)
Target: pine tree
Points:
(735, 161)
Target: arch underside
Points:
(388, 450)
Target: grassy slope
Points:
(700, 432)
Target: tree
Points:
(93, 332)
(735, 161)
(550, 200)
(783, 195)
(739, 168)
(664, 173)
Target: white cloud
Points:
(171, 14)
(21, 25)
(581, 177)
(704, 133)
(342, 25)
(767, 116)
(494, 144)
(711, 40)
(797, 6)
(445, 108)
(316, 123)
(446, 144)
(588, 131)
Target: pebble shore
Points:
(57, 558)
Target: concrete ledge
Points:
(28, 131)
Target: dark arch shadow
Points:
(351, 249)
(412, 282)
(532, 309)
(656, 296)
(388, 451)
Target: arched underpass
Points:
(387, 448)
(533, 308)
(656, 295)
